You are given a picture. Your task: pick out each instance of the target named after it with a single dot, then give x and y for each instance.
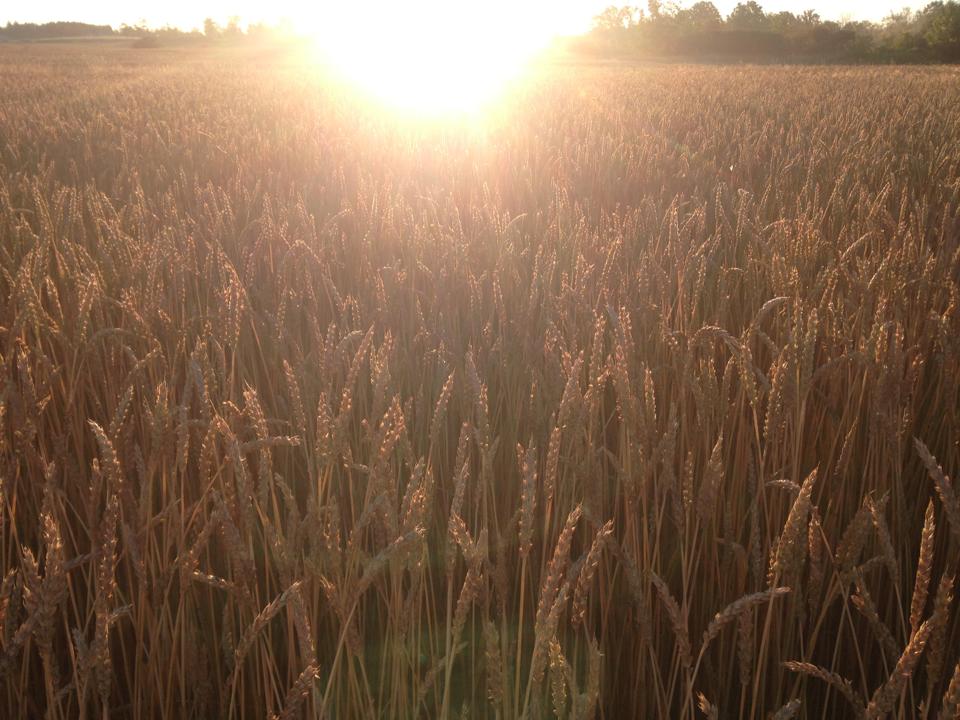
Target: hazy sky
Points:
(559, 15)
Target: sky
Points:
(559, 16)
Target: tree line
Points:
(749, 33)
(212, 31)
(52, 30)
(662, 29)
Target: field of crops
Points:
(635, 398)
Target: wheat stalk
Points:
(886, 695)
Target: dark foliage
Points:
(749, 33)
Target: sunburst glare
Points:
(431, 57)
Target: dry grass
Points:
(309, 410)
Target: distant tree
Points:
(926, 16)
(669, 29)
(897, 39)
(784, 21)
(138, 29)
(670, 8)
(59, 29)
(942, 29)
(863, 39)
(748, 16)
(701, 16)
(616, 18)
(233, 27)
(259, 30)
(899, 21)
(210, 28)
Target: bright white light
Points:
(431, 56)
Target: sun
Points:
(430, 57)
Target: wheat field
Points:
(637, 399)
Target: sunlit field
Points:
(627, 392)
